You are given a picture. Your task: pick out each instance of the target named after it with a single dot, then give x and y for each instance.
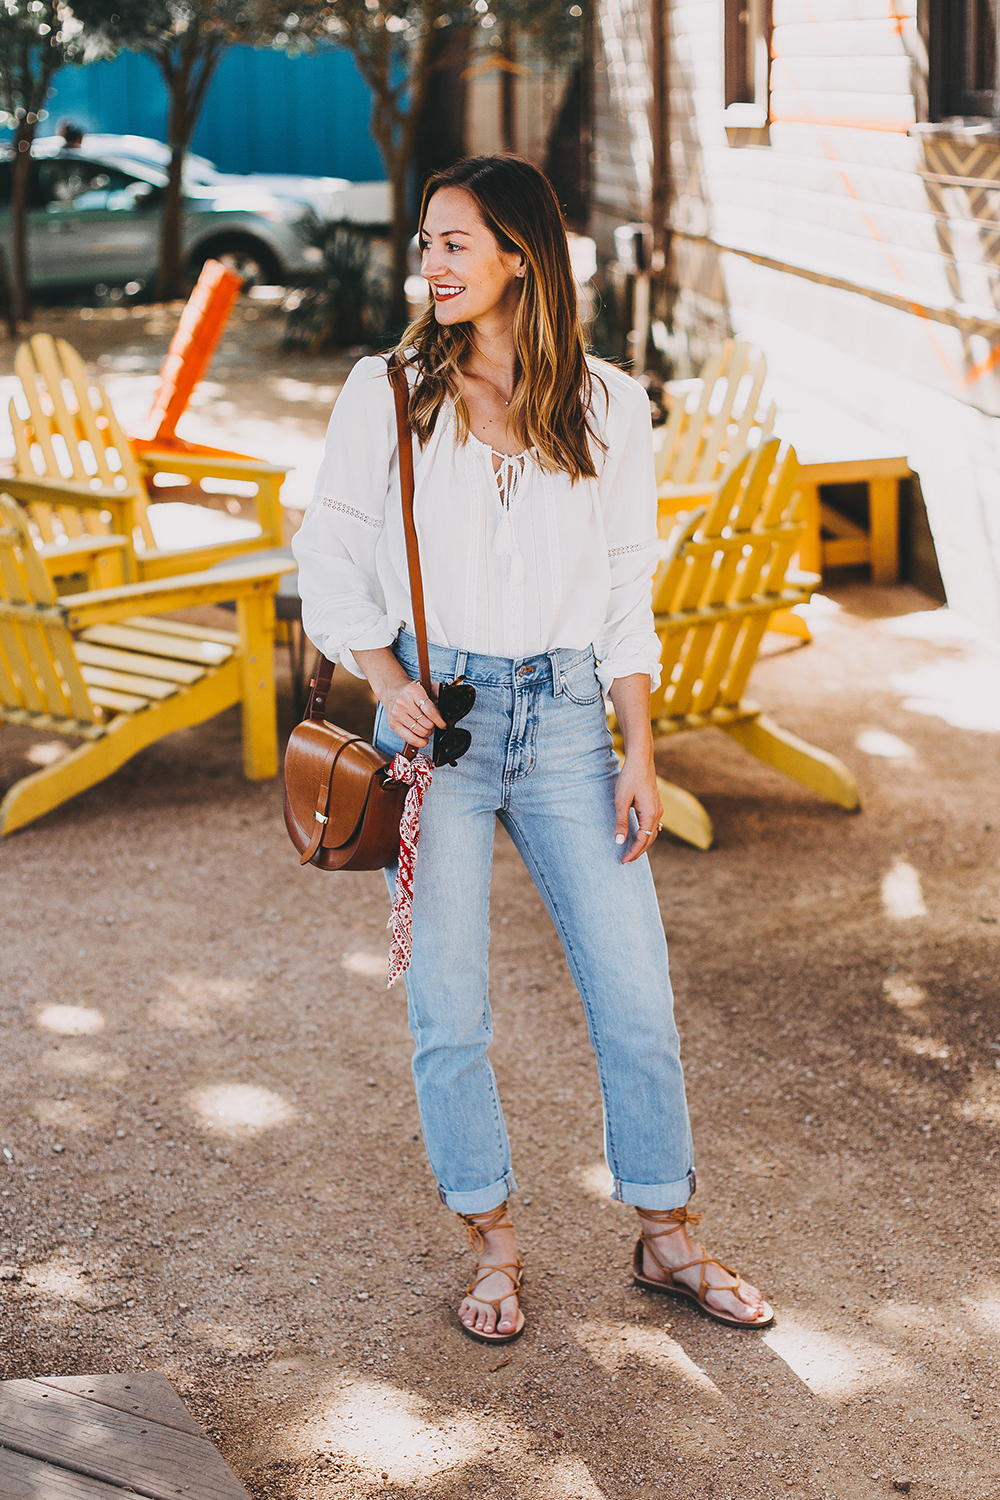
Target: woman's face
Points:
(471, 277)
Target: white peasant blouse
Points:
(514, 563)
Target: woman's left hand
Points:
(636, 787)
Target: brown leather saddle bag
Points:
(342, 810)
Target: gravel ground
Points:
(211, 1152)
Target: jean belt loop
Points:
(460, 661)
(557, 683)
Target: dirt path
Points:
(212, 1165)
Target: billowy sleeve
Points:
(627, 488)
(336, 547)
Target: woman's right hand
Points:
(411, 714)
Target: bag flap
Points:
(328, 769)
(356, 765)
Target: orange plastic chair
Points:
(191, 348)
(189, 356)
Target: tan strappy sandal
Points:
(478, 1226)
(677, 1218)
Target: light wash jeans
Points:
(541, 761)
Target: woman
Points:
(535, 506)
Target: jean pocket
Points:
(581, 685)
(382, 736)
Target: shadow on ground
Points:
(212, 1165)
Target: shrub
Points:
(347, 303)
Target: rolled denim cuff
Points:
(661, 1195)
(482, 1200)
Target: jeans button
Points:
(526, 671)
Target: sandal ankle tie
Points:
(479, 1225)
(676, 1218)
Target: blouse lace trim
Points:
(356, 515)
(631, 547)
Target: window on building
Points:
(964, 50)
(748, 56)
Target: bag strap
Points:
(401, 391)
(320, 688)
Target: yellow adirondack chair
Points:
(713, 420)
(713, 598)
(70, 442)
(95, 667)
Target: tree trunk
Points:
(171, 269)
(395, 131)
(187, 74)
(440, 139)
(6, 296)
(20, 296)
(567, 154)
(398, 165)
(508, 88)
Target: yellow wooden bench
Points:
(714, 418)
(68, 439)
(97, 668)
(848, 544)
(713, 598)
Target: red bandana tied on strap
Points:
(416, 774)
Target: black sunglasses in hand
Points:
(454, 701)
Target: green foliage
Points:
(36, 38)
(390, 40)
(163, 27)
(396, 48)
(348, 302)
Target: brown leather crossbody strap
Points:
(316, 707)
(401, 390)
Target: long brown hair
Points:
(552, 394)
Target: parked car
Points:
(333, 199)
(94, 217)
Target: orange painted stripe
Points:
(892, 127)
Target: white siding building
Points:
(834, 195)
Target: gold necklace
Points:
(496, 391)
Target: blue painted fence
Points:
(265, 111)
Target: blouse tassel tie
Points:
(416, 774)
(511, 470)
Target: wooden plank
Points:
(846, 553)
(883, 525)
(157, 643)
(23, 1478)
(92, 655)
(838, 525)
(190, 632)
(44, 350)
(144, 1393)
(836, 37)
(122, 703)
(137, 1452)
(24, 369)
(243, 580)
(128, 682)
(853, 470)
